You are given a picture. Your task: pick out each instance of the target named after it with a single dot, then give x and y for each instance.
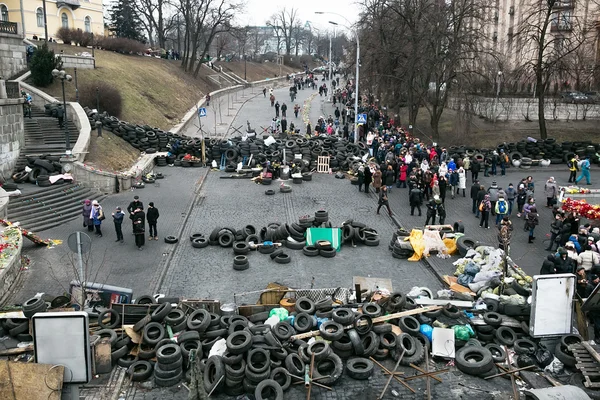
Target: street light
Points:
(357, 69)
(496, 101)
(330, 62)
(63, 76)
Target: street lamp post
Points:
(497, 99)
(63, 76)
(330, 61)
(357, 70)
(76, 87)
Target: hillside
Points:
(154, 91)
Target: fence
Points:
(8, 27)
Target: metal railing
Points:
(12, 89)
(8, 27)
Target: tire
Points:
(254, 362)
(266, 249)
(305, 305)
(226, 239)
(497, 352)
(310, 251)
(524, 346)
(396, 301)
(164, 375)
(506, 335)
(373, 310)
(145, 299)
(175, 317)
(333, 375)
(140, 371)
(387, 340)
(410, 325)
(168, 354)
(294, 364)
(283, 259)
(294, 245)
(283, 330)
(146, 353)
(241, 248)
(343, 316)
(171, 239)
(149, 335)
(198, 320)
(236, 371)
(127, 361)
(213, 371)
(331, 330)
(473, 360)
(568, 340)
(115, 318)
(199, 243)
(359, 368)
(465, 243)
(112, 335)
(269, 192)
(281, 376)
(303, 322)
(578, 380)
(239, 342)
(362, 328)
(371, 241)
(320, 349)
(327, 253)
(160, 313)
(357, 344)
(119, 353)
(34, 305)
(493, 319)
(271, 387)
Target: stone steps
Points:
(48, 208)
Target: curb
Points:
(167, 263)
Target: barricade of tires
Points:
(356, 232)
(399, 246)
(40, 170)
(18, 328)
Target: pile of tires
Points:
(38, 171)
(356, 232)
(18, 328)
(400, 246)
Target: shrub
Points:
(109, 97)
(121, 45)
(43, 62)
(65, 34)
(83, 39)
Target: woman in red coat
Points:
(402, 176)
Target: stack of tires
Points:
(18, 328)
(356, 232)
(42, 168)
(168, 369)
(399, 246)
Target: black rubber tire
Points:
(474, 360)
(175, 317)
(119, 353)
(578, 380)
(410, 325)
(333, 375)
(148, 335)
(373, 310)
(258, 360)
(359, 368)
(387, 340)
(115, 319)
(493, 319)
(327, 253)
(160, 313)
(226, 239)
(281, 376)
(363, 324)
(344, 316)
(320, 349)
(271, 387)
(140, 371)
(241, 248)
(199, 320)
(465, 243)
(451, 311)
(239, 342)
(145, 299)
(305, 305)
(357, 344)
(567, 359)
(236, 371)
(524, 346)
(167, 378)
(331, 330)
(570, 339)
(294, 364)
(497, 352)
(382, 328)
(266, 249)
(199, 242)
(396, 302)
(213, 371)
(171, 239)
(294, 245)
(506, 336)
(269, 192)
(127, 360)
(310, 251)
(195, 236)
(303, 322)
(283, 258)
(109, 333)
(168, 353)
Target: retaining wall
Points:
(12, 136)
(69, 61)
(11, 271)
(3, 204)
(12, 55)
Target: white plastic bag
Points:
(269, 141)
(272, 321)
(219, 348)
(214, 164)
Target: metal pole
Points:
(45, 21)
(330, 68)
(66, 123)
(80, 260)
(97, 99)
(356, 89)
(76, 87)
(245, 78)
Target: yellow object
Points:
(450, 245)
(417, 243)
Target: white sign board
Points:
(442, 343)
(552, 305)
(62, 338)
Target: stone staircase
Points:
(45, 209)
(44, 136)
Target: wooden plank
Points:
(384, 318)
(30, 381)
(16, 350)
(591, 351)
(442, 302)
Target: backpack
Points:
(502, 207)
(506, 158)
(570, 163)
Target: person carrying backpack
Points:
(504, 161)
(501, 209)
(573, 167)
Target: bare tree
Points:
(550, 38)
(222, 42)
(155, 19)
(284, 23)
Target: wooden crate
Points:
(588, 362)
(133, 313)
(212, 306)
(323, 164)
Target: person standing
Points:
(475, 168)
(573, 165)
(368, 178)
(555, 229)
(493, 191)
(277, 110)
(138, 220)
(402, 176)
(501, 209)
(474, 192)
(585, 171)
(431, 210)
(361, 177)
(118, 216)
(86, 211)
(265, 92)
(415, 199)
(441, 212)
(207, 98)
(296, 110)
(462, 181)
(283, 110)
(484, 207)
(383, 200)
(134, 205)
(511, 194)
(377, 179)
(531, 221)
(97, 216)
(152, 216)
(551, 192)
(504, 233)
(390, 175)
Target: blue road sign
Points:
(202, 112)
(361, 119)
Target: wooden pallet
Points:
(588, 362)
(323, 165)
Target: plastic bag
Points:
(465, 279)
(444, 294)
(543, 356)
(219, 348)
(462, 332)
(214, 164)
(486, 276)
(280, 312)
(427, 330)
(475, 286)
(272, 321)
(471, 269)
(555, 367)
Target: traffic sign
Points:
(361, 119)
(202, 112)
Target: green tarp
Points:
(333, 235)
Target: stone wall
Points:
(10, 273)
(3, 203)
(69, 61)
(12, 55)
(12, 135)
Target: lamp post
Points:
(496, 100)
(357, 70)
(76, 87)
(330, 62)
(63, 76)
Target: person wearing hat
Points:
(432, 209)
(555, 230)
(563, 263)
(571, 252)
(134, 205)
(484, 207)
(97, 216)
(551, 192)
(584, 287)
(548, 266)
(118, 216)
(138, 220)
(86, 211)
(532, 219)
(501, 209)
(152, 217)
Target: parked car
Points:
(594, 97)
(574, 97)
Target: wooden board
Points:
(373, 284)
(29, 381)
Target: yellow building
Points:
(86, 15)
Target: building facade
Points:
(86, 15)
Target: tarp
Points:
(333, 235)
(417, 243)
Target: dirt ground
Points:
(481, 133)
(110, 153)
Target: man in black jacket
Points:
(475, 168)
(416, 199)
(474, 191)
(138, 219)
(134, 205)
(152, 217)
(480, 196)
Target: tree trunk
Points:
(434, 123)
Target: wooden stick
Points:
(16, 350)
(425, 373)
(591, 350)
(512, 371)
(384, 318)
(428, 377)
(216, 386)
(310, 374)
(394, 375)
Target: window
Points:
(39, 13)
(65, 20)
(562, 20)
(88, 24)
(3, 13)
